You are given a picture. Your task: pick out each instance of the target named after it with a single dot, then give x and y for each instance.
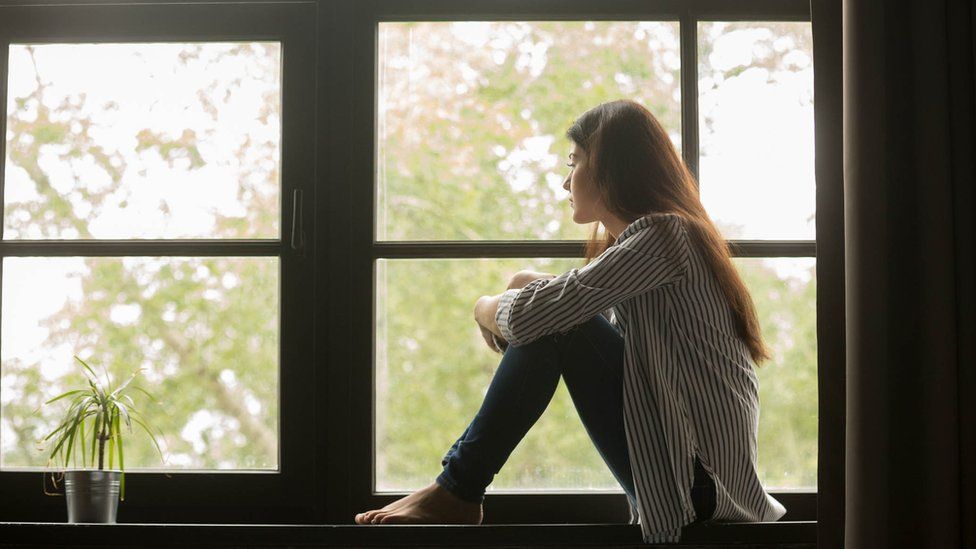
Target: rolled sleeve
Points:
(555, 305)
(652, 256)
(504, 312)
(503, 315)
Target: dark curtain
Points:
(908, 95)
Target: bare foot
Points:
(430, 505)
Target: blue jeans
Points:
(590, 359)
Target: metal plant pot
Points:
(92, 495)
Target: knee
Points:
(541, 347)
(518, 280)
(521, 278)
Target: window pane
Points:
(785, 294)
(756, 125)
(204, 330)
(432, 371)
(115, 141)
(472, 118)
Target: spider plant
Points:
(92, 424)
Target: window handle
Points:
(297, 223)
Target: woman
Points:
(656, 338)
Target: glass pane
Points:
(785, 294)
(204, 331)
(755, 91)
(432, 371)
(472, 119)
(116, 141)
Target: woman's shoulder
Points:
(654, 227)
(666, 217)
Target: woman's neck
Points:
(614, 225)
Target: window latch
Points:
(297, 224)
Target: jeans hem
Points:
(449, 484)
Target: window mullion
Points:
(157, 248)
(689, 90)
(564, 248)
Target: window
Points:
(471, 108)
(246, 212)
(151, 204)
(755, 90)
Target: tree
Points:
(204, 329)
(470, 140)
(471, 125)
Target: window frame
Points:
(510, 506)
(331, 386)
(282, 495)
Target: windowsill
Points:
(757, 534)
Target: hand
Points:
(492, 340)
(484, 313)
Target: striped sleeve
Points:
(547, 306)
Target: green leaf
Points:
(87, 367)
(118, 441)
(71, 443)
(126, 383)
(94, 444)
(95, 437)
(96, 390)
(112, 426)
(81, 440)
(143, 391)
(152, 437)
(123, 411)
(57, 429)
(93, 380)
(68, 434)
(66, 394)
(122, 483)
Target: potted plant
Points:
(90, 428)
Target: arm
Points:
(484, 312)
(547, 306)
(486, 307)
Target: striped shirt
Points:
(689, 381)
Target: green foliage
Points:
(100, 409)
(206, 329)
(451, 148)
(788, 382)
(432, 376)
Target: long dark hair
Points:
(637, 171)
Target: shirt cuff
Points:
(504, 313)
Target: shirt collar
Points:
(638, 224)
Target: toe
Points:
(368, 516)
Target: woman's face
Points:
(583, 196)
